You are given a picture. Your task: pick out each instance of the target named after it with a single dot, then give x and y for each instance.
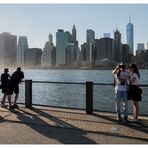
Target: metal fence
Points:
(89, 92)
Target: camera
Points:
(121, 66)
(122, 83)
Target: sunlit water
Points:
(74, 95)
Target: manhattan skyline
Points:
(36, 21)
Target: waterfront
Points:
(74, 95)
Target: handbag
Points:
(139, 90)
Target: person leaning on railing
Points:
(13, 86)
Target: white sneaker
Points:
(134, 120)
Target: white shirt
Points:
(132, 76)
(123, 75)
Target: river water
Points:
(73, 96)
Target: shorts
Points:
(4, 89)
(12, 88)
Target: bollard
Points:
(28, 93)
(89, 97)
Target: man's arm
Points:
(116, 70)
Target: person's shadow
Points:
(64, 132)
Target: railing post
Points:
(89, 97)
(28, 93)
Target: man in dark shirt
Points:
(13, 85)
(4, 82)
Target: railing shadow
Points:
(139, 126)
(63, 131)
(79, 134)
(74, 136)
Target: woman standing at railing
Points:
(134, 93)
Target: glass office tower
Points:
(22, 45)
(130, 36)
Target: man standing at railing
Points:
(13, 86)
(121, 94)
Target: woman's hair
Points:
(135, 69)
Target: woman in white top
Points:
(134, 94)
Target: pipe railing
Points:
(89, 91)
(79, 83)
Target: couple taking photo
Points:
(126, 84)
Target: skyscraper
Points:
(130, 36)
(103, 48)
(140, 46)
(8, 46)
(74, 34)
(22, 45)
(32, 57)
(85, 52)
(48, 55)
(118, 46)
(90, 35)
(50, 39)
(70, 54)
(61, 43)
(117, 35)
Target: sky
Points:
(36, 21)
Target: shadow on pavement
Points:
(139, 126)
(65, 133)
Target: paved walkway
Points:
(47, 125)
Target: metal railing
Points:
(89, 91)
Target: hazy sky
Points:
(36, 21)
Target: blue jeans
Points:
(121, 96)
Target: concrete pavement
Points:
(49, 125)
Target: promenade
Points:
(49, 125)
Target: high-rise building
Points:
(117, 36)
(32, 57)
(72, 55)
(50, 39)
(90, 35)
(130, 36)
(61, 43)
(67, 36)
(74, 34)
(48, 55)
(8, 47)
(140, 46)
(70, 49)
(103, 48)
(85, 52)
(22, 45)
(126, 56)
(118, 46)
